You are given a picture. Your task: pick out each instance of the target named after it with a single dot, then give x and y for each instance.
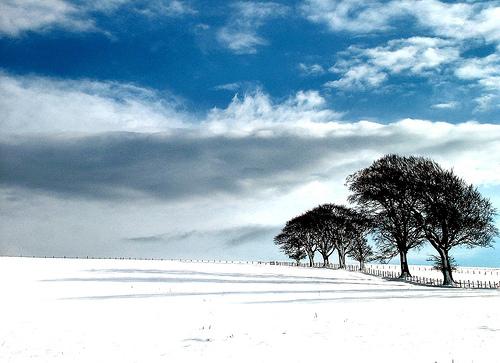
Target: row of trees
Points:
(324, 229)
(401, 203)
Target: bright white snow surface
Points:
(70, 310)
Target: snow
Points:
(79, 310)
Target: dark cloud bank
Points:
(167, 167)
(117, 165)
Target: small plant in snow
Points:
(437, 263)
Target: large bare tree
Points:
(451, 213)
(385, 192)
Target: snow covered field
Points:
(67, 310)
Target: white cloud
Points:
(172, 8)
(228, 86)
(446, 30)
(42, 104)
(311, 69)
(19, 16)
(445, 105)
(242, 41)
(479, 68)
(486, 72)
(462, 20)
(358, 76)
(367, 68)
(415, 54)
(256, 113)
(357, 16)
(39, 104)
(240, 33)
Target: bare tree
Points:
(324, 226)
(451, 213)
(362, 252)
(353, 228)
(302, 230)
(337, 228)
(385, 192)
(297, 253)
(291, 246)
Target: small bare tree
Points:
(362, 252)
(301, 231)
(338, 227)
(291, 246)
(324, 222)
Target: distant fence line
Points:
(385, 271)
(150, 259)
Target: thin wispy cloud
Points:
(445, 105)
(20, 16)
(240, 34)
(311, 69)
(228, 87)
(230, 237)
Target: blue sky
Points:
(136, 127)
(279, 47)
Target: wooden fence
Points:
(394, 274)
(485, 271)
(468, 284)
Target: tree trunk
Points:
(311, 259)
(341, 253)
(361, 265)
(446, 268)
(325, 260)
(405, 270)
